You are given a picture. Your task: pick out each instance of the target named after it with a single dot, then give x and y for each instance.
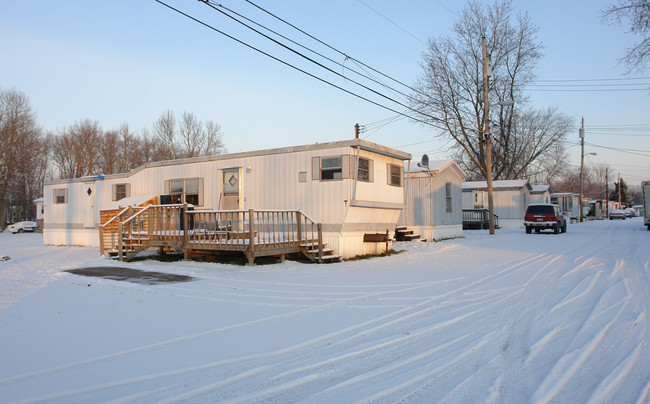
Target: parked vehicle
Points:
(617, 214)
(544, 216)
(645, 185)
(20, 227)
(629, 212)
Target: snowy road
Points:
(507, 318)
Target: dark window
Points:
(120, 192)
(331, 168)
(395, 175)
(60, 195)
(364, 170)
(186, 190)
(448, 196)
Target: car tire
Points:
(556, 229)
(528, 230)
(563, 229)
(20, 230)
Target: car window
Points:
(540, 210)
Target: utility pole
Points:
(582, 161)
(619, 191)
(606, 192)
(356, 131)
(487, 72)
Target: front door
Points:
(231, 190)
(89, 205)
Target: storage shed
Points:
(511, 197)
(434, 200)
(350, 187)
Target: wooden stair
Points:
(310, 250)
(402, 233)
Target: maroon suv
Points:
(544, 216)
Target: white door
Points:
(231, 190)
(89, 205)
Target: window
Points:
(394, 175)
(366, 170)
(448, 197)
(186, 190)
(60, 195)
(331, 168)
(121, 191)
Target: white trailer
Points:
(645, 185)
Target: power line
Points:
(333, 48)
(393, 22)
(208, 3)
(302, 70)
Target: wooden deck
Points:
(255, 233)
(476, 219)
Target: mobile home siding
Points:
(426, 202)
(270, 179)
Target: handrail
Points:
(254, 232)
(130, 219)
(120, 213)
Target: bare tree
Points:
(213, 140)
(191, 134)
(449, 94)
(22, 157)
(121, 151)
(190, 138)
(164, 130)
(75, 152)
(635, 16)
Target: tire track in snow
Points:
(457, 292)
(111, 357)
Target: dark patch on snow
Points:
(131, 275)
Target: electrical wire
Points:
(297, 68)
(208, 3)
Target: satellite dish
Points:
(425, 161)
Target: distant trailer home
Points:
(511, 197)
(351, 188)
(541, 194)
(434, 200)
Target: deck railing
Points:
(478, 218)
(254, 232)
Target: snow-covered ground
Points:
(510, 318)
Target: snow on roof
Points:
(131, 201)
(434, 166)
(498, 184)
(541, 188)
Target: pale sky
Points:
(128, 61)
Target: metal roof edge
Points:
(361, 143)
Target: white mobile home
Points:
(569, 204)
(511, 197)
(540, 194)
(434, 200)
(351, 187)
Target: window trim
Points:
(127, 191)
(184, 194)
(448, 197)
(344, 168)
(391, 176)
(56, 196)
(370, 170)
